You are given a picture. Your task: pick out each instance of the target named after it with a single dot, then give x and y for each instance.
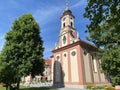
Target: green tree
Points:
(104, 32)
(22, 53)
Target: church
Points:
(73, 61)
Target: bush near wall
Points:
(105, 87)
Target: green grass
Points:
(2, 88)
(30, 88)
(41, 88)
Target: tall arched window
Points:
(63, 25)
(71, 24)
(64, 39)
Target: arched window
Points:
(94, 63)
(64, 39)
(63, 24)
(71, 24)
(84, 51)
(71, 18)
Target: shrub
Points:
(109, 87)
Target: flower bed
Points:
(105, 87)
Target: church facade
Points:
(73, 61)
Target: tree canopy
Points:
(22, 53)
(104, 32)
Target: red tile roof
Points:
(48, 62)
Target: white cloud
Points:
(1, 37)
(80, 3)
(45, 15)
(8, 4)
(48, 13)
(13, 2)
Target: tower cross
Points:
(67, 6)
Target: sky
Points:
(47, 13)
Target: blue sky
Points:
(47, 13)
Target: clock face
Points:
(64, 39)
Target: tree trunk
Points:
(6, 87)
(10, 87)
(18, 84)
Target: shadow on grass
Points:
(37, 88)
(32, 88)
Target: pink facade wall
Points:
(81, 68)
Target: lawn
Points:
(30, 88)
(41, 88)
(2, 88)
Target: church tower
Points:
(68, 33)
(73, 62)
